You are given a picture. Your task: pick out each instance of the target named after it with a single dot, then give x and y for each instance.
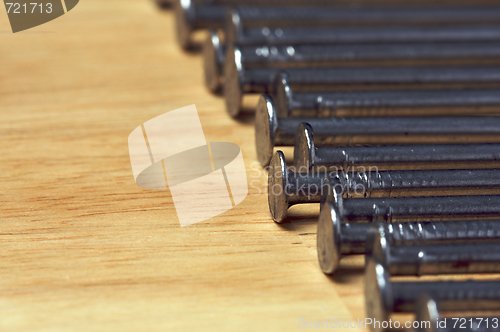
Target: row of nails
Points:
(389, 195)
(384, 297)
(400, 248)
(272, 131)
(260, 42)
(415, 248)
(254, 54)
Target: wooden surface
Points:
(85, 249)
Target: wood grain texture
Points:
(82, 247)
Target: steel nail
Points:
(164, 4)
(336, 239)
(240, 81)
(254, 25)
(213, 61)
(384, 296)
(433, 259)
(279, 43)
(416, 208)
(297, 34)
(427, 316)
(191, 16)
(271, 131)
(288, 187)
(328, 55)
(331, 103)
(309, 156)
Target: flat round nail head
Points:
(233, 71)
(378, 297)
(329, 239)
(184, 15)
(212, 67)
(304, 151)
(277, 198)
(265, 127)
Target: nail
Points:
(384, 297)
(434, 259)
(299, 34)
(336, 239)
(271, 131)
(375, 183)
(288, 187)
(331, 103)
(284, 41)
(416, 208)
(321, 54)
(309, 156)
(164, 4)
(213, 61)
(427, 315)
(427, 311)
(257, 25)
(191, 16)
(240, 81)
(308, 55)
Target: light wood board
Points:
(82, 247)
